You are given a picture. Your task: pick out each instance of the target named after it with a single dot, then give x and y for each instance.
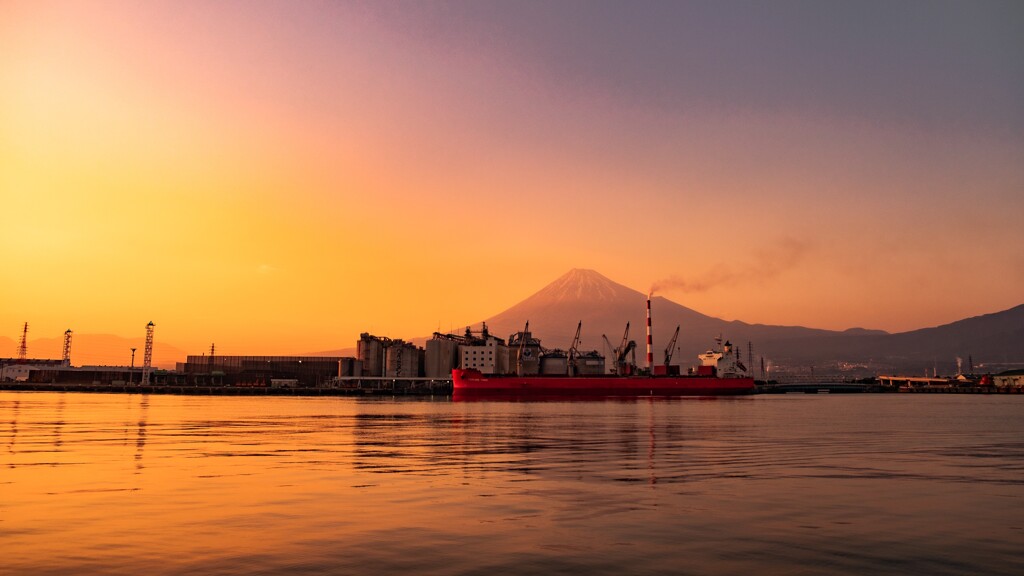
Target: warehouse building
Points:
(1009, 379)
(305, 371)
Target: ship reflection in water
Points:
(758, 484)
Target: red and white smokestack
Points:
(650, 354)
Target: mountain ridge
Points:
(605, 306)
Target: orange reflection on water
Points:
(170, 484)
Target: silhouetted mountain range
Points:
(605, 306)
(97, 350)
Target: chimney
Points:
(650, 355)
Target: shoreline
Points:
(381, 390)
(437, 388)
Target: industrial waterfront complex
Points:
(377, 358)
(390, 365)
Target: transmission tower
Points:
(67, 347)
(147, 357)
(23, 347)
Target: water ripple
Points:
(837, 485)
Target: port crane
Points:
(522, 346)
(671, 348)
(611, 349)
(571, 364)
(625, 349)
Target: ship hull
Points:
(472, 382)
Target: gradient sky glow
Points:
(277, 177)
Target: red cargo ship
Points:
(473, 382)
(721, 373)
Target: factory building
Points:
(489, 355)
(523, 355)
(19, 369)
(1009, 379)
(118, 375)
(306, 371)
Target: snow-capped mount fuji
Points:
(605, 306)
(580, 284)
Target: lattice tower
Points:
(67, 347)
(23, 346)
(147, 357)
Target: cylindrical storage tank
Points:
(554, 364)
(402, 360)
(590, 364)
(442, 355)
(370, 350)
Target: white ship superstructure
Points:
(726, 361)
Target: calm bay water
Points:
(794, 484)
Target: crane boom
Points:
(571, 367)
(611, 351)
(671, 348)
(622, 347)
(522, 345)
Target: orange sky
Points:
(277, 178)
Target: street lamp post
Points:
(132, 370)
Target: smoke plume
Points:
(768, 263)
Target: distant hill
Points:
(97, 350)
(996, 338)
(605, 306)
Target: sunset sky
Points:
(277, 177)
